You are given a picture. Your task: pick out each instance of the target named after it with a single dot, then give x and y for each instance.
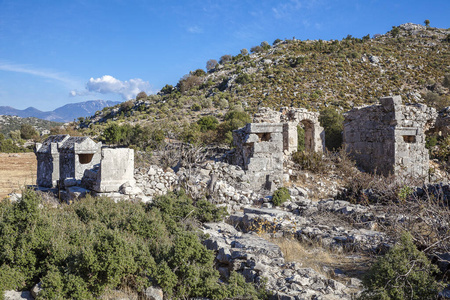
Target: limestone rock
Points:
(153, 293)
(13, 295)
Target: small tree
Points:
(188, 82)
(141, 95)
(27, 132)
(403, 273)
(199, 73)
(244, 51)
(211, 64)
(265, 45)
(225, 58)
(332, 121)
(280, 196)
(395, 31)
(167, 89)
(256, 49)
(207, 123)
(427, 22)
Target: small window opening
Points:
(409, 139)
(85, 158)
(264, 137)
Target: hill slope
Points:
(411, 60)
(11, 123)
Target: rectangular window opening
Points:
(85, 158)
(409, 139)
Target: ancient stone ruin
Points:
(389, 138)
(261, 145)
(62, 156)
(78, 164)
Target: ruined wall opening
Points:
(264, 137)
(410, 139)
(85, 158)
(308, 127)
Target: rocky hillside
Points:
(410, 60)
(12, 123)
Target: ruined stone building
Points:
(389, 138)
(67, 161)
(63, 156)
(261, 145)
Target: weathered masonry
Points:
(261, 146)
(389, 138)
(63, 156)
(67, 161)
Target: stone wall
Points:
(116, 169)
(47, 155)
(261, 145)
(259, 150)
(291, 118)
(389, 138)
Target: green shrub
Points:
(280, 196)
(196, 107)
(301, 139)
(311, 161)
(243, 78)
(95, 244)
(333, 123)
(234, 119)
(208, 123)
(403, 273)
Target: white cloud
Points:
(195, 29)
(107, 84)
(37, 72)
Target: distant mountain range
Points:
(66, 113)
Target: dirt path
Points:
(16, 171)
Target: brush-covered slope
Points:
(410, 60)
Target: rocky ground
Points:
(310, 247)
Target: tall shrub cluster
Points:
(95, 245)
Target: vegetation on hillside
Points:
(409, 61)
(13, 123)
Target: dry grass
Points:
(321, 260)
(16, 171)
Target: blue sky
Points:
(54, 52)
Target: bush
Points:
(311, 161)
(167, 89)
(28, 132)
(234, 119)
(211, 64)
(141, 95)
(280, 196)
(301, 139)
(199, 73)
(243, 78)
(188, 82)
(207, 123)
(403, 273)
(196, 107)
(81, 250)
(225, 59)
